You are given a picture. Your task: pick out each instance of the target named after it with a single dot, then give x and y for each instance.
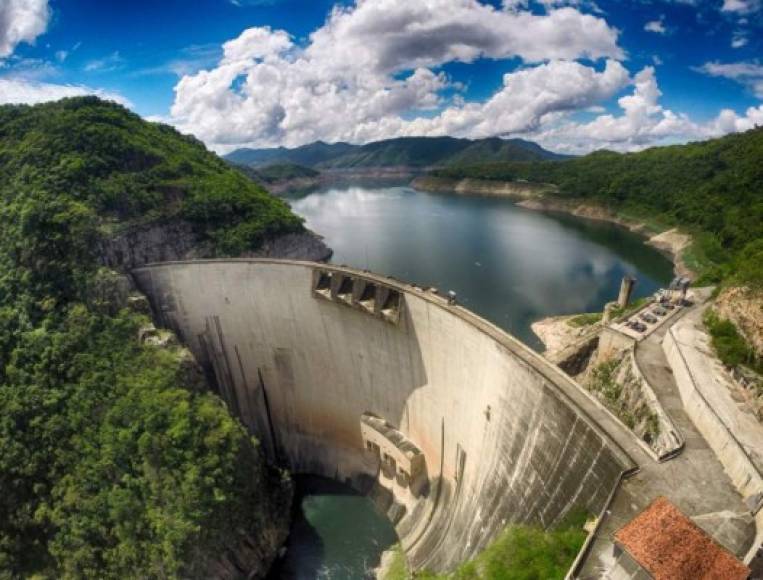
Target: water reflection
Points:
(336, 534)
(511, 265)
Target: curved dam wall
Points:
(328, 365)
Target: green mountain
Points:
(116, 461)
(413, 152)
(714, 189)
(308, 155)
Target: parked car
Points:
(659, 311)
(647, 318)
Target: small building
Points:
(400, 458)
(667, 545)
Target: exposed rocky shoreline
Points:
(673, 243)
(539, 197)
(512, 189)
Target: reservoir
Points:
(508, 264)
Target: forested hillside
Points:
(713, 188)
(115, 460)
(410, 152)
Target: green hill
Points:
(412, 152)
(307, 155)
(714, 189)
(115, 459)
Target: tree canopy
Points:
(115, 459)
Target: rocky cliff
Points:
(167, 241)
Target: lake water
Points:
(510, 265)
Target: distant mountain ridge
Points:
(414, 152)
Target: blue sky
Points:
(702, 56)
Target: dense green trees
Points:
(713, 188)
(114, 459)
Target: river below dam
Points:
(508, 264)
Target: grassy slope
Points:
(714, 189)
(521, 552)
(114, 460)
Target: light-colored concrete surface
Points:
(670, 441)
(735, 436)
(694, 480)
(507, 436)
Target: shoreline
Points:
(672, 243)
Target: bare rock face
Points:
(154, 242)
(744, 307)
(302, 246)
(175, 240)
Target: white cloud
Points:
(108, 63)
(642, 122)
(749, 74)
(729, 122)
(741, 6)
(739, 39)
(656, 26)
(370, 66)
(372, 72)
(21, 21)
(528, 98)
(15, 91)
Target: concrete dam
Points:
(454, 427)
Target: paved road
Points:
(694, 480)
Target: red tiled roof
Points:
(670, 546)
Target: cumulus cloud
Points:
(528, 98)
(749, 74)
(21, 21)
(372, 71)
(371, 65)
(14, 91)
(643, 121)
(729, 122)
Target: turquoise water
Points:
(508, 264)
(336, 534)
